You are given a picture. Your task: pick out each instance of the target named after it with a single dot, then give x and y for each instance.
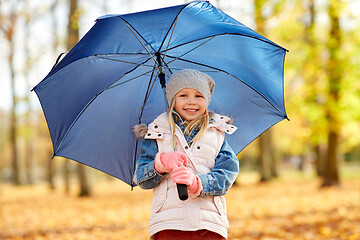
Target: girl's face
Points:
(190, 104)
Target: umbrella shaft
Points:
(182, 191)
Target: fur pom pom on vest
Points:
(140, 130)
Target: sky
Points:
(40, 40)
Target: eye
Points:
(182, 95)
(199, 96)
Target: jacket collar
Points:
(177, 118)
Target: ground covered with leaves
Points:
(289, 210)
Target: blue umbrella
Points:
(114, 78)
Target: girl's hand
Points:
(182, 175)
(166, 162)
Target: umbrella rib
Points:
(147, 94)
(148, 91)
(220, 70)
(112, 86)
(211, 37)
(191, 50)
(174, 22)
(132, 29)
(117, 60)
(172, 31)
(142, 44)
(167, 66)
(238, 34)
(86, 106)
(147, 97)
(75, 120)
(179, 69)
(124, 53)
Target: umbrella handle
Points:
(182, 191)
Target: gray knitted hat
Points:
(190, 78)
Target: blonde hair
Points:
(201, 122)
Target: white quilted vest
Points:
(167, 211)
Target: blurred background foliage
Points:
(322, 86)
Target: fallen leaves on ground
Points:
(277, 210)
(295, 211)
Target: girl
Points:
(187, 145)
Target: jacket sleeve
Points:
(223, 174)
(145, 175)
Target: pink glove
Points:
(183, 175)
(166, 162)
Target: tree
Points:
(266, 160)
(313, 89)
(73, 38)
(29, 143)
(8, 28)
(50, 163)
(335, 72)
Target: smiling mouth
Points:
(191, 110)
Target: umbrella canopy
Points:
(109, 81)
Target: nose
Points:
(191, 100)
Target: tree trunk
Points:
(28, 161)
(73, 38)
(320, 159)
(13, 124)
(50, 171)
(335, 70)
(84, 183)
(266, 160)
(331, 176)
(29, 146)
(267, 169)
(73, 24)
(55, 28)
(51, 167)
(8, 27)
(67, 176)
(311, 80)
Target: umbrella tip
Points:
(286, 117)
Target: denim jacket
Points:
(215, 183)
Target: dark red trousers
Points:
(188, 235)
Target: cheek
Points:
(177, 108)
(178, 105)
(202, 107)
(203, 104)
(202, 111)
